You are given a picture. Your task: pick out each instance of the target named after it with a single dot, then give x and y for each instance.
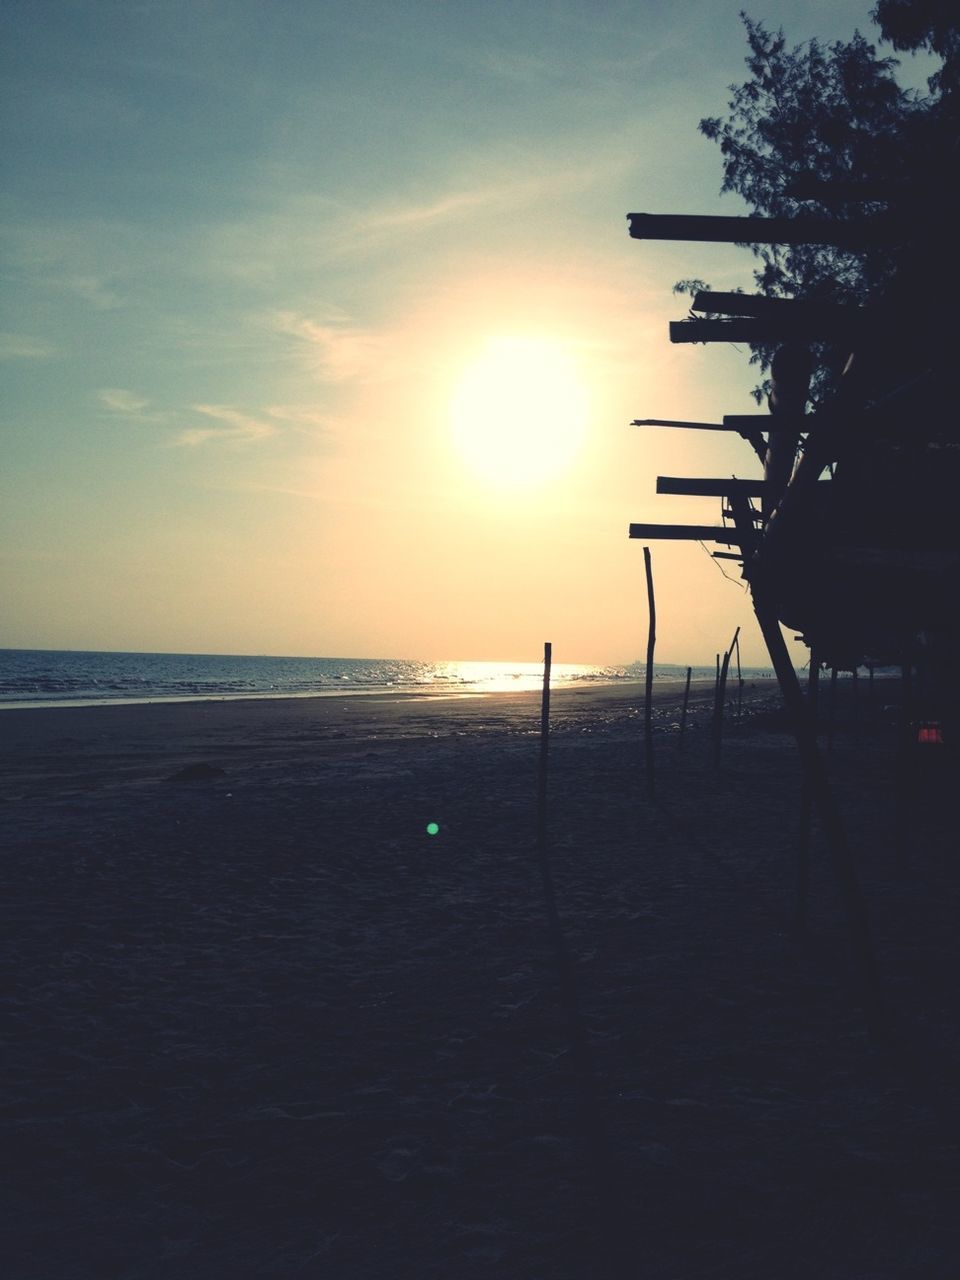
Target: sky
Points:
(322, 330)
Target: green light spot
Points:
(433, 828)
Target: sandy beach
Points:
(264, 1025)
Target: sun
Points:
(519, 411)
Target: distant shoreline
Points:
(627, 688)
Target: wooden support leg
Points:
(831, 821)
(806, 808)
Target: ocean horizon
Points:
(75, 677)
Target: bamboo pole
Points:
(683, 713)
(651, 644)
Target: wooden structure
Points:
(865, 563)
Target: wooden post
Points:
(719, 701)
(855, 715)
(593, 1145)
(739, 683)
(813, 687)
(832, 709)
(683, 713)
(905, 750)
(544, 749)
(651, 643)
(806, 805)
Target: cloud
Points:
(306, 418)
(91, 289)
(340, 352)
(517, 67)
(120, 401)
(443, 208)
(239, 426)
(20, 346)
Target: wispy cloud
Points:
(525, 179)
(517, 67)
(442, 208)
(20, 346)
(130, 406)
(120, 401)
(92, 289)
(339, 352)
(238, 426)
(305, 418)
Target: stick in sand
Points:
(651, 642)
(718, 705)
(832, 710)
(683, 713)
(591, 1138)
(544, 749)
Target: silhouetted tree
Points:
(925, 24)
(818, 127)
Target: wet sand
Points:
(265, 1025)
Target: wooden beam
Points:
(706, 487)
(852, 234)
(710, 302)
(748, 535)
(686, 426)
(728, 555)
(685, 532)
(780, 422)
(780, 327)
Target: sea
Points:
(44, 677)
